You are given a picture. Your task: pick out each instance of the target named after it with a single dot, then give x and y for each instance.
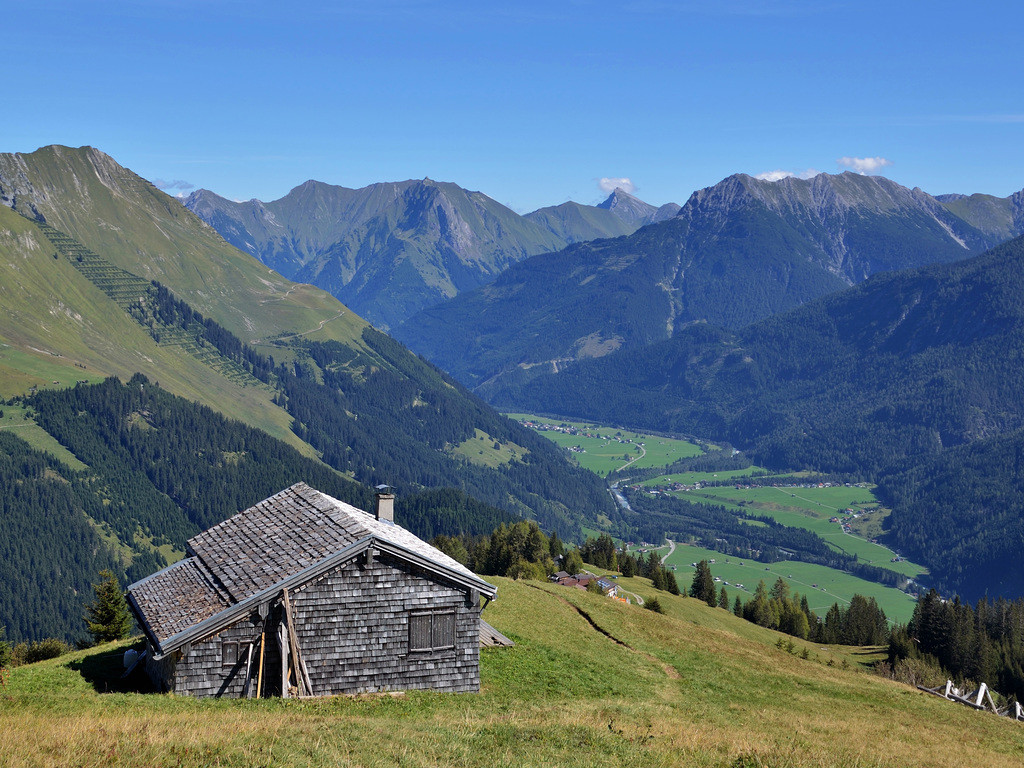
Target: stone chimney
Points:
(385, 504)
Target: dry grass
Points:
(671, 692)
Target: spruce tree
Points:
(703, 586)
(107, 617)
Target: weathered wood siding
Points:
(353, 628)
(204, 671)
(353, 632)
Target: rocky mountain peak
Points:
(628, 208)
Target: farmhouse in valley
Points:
(306, 595)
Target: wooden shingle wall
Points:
(203, 671)
(353, 630)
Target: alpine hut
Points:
(303, 594)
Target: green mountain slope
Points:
(350, 400)
(906, 376)
(59, 327)
(735, 253)
(127, 220)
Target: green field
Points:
(16, 419)
(19, 371)
(611, 449)
(823, 586)
(810, 508)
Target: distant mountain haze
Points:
(736, 252)
(910, 379)
(391, 249)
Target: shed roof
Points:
(281, 542)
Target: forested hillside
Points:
(159, 470)
(883, 381)
(80, 304)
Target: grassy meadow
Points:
(610, 449)
(694, 687)
(822, 586)
(810, 508)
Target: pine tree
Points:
(703, 586)
(107, 617)
(723, 599)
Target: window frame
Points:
(236, 647)
(441, 629)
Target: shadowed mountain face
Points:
(910, 379)
(737, 252)
(391, 249)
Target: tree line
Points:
(980, 643)
(862, 622)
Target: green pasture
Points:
(611, 449)
(483, 450)
(691, 478)
(16, 419)
(21, 370)
(810, 508)
(589, 682)
(823, 586)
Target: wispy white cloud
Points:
(609, 185)
(178, 184)
(863, 165)
(779, 175)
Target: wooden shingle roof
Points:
(283, 541)
(183, 596)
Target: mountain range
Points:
(390, 249)
(773, 316)
(735, 253)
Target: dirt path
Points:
(671, 549)
(305, 333)
(643, 452)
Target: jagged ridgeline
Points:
(737, 252)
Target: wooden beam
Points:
(301, 680)
(259, 674)
(248, 671)
(282, 644)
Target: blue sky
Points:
(532, 103)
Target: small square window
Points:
(229, 653)
(432, 631)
